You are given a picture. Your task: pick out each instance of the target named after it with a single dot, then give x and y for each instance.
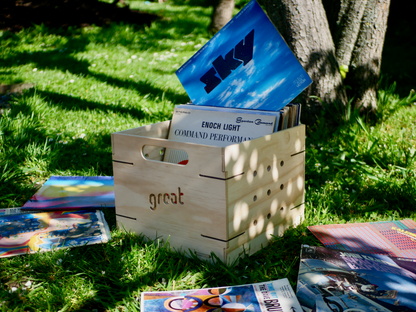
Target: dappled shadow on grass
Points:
(78, 155)
(65, 62)
(67, 102)
(14, 187)
(109, 275)
(143, 88)
(279, 259)
(73, 103)
(56, 16)
(16, 15)
(354, 172)
(47, 60)
(388, 196)
(198, 3)
(113, 274)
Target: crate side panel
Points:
(248, 202)
(263, 180)
(202, 246)
(158, 130)
(203, 159)
(251, 246)
(281, 220)
(269, 197)
(249, 156)
(172, 202)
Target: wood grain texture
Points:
(203, 247)
(260, 202)
(217, 211)
(245, 245)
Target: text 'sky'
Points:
(242, 53)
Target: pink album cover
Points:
(392, 238)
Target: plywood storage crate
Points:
(226, 200)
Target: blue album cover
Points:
(247, 64)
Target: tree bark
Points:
(366, 58)
(348, 26)
(304, 26)
(222, 14)
(354, 44)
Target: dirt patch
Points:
(9, 91)
(15, 88)
(18, 14)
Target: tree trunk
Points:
(222, 14)
(348, 26)
(354, 44)
(366, 58)
(304, 25)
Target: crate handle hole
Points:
(282, 163)
(269, 192)
(282, 186)
(163, 154)
(255, 198)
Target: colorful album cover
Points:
(43, 231)
(334, 280)
(77, 192)
(392, 238)
(247, 64)
(406, 263)
(13, 211)
(275, 295)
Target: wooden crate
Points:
(226, 200)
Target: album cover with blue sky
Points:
(247, 64)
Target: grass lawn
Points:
(91, 82)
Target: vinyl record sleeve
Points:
(74, 192)
(276, 295)
(247, 64)
(334, 280)
(392, 238)
(44, 231)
